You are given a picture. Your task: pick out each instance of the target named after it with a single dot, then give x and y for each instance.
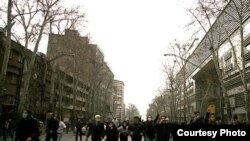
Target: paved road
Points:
(69, 137)
(66, 137)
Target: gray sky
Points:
(134, 35)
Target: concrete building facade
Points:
(203, 85)
(119, 106)
(88, 65)
(61, 82)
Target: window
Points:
(247, 29)
(246, 41)
(11, 54)
(239, 100)
(228, 61)
(228, 66)
(246, 33)
(19, 59)
(227, 55)
(13, 79)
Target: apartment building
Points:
(87, 64)
(119, 106)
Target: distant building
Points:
(87, 65)
(75, 79)
(119, 106)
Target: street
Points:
(71, 137)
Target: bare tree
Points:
(162, 101)
(132, 111)
(181, 55)
(70, 19)
(152, 109)
(101, 81)
(171, 83)
(35, 18)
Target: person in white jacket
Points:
(62, 126)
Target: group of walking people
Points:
(28, 128)
(158, 129)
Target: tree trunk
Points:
(224, 91)
(24, 97)
(185, 91)
(7, 49)
(244, 73)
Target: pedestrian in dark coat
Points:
(236, 120)
(9, 125)
(96, 129)
(79, 127)
(197, 120)
(51, 128)
(136, 129)
(27, 128)
(124, 132)
(3, 119)
(111, 132)
(163, 129)
(149, 128)
(210, 118)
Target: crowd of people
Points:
(28, 128)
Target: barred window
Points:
(227, 56)
(239, 100)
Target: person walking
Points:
(123, 130)
(149, 128)
(79, 127)
(210, 118)
(111, 132)
(236, 120)
(197, 119)
(3, 119)
(60, 130)
(136, 129)
(51, 127)
(27, 128)
(96, 129)
(9, 125)
(163, 129)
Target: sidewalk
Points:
(70, 136)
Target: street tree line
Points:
(27, 23)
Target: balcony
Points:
(70, 107)
(247, 56)
(246, 41)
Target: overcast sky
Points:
(134, 35)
